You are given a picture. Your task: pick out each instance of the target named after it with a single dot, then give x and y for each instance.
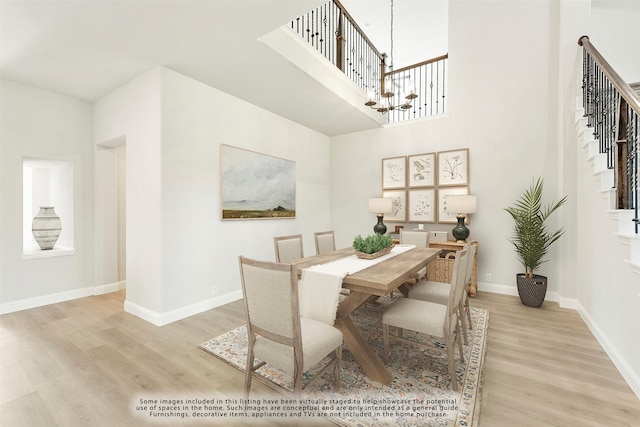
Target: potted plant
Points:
(372, 246)
(532, 240)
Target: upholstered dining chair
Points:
(429, 318)
(277, 335)
(325, 241)
(420, 238)
(288, 248)
(438, 292)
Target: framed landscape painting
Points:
(255, 185)
(422, 170)
(394, 172)
(398, 206)
(422, 205)
(453, 167)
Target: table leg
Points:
(356, 342)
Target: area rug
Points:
(419, 395)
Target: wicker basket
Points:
(441, 269)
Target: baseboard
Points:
(161, 319)
(630, 376)
(108, 288)
(496, 288)
(43, 300)
(513, 291)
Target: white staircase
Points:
(626, 227)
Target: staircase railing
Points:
(333, 32)
(612, 109)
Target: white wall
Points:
(191, 264)
(513, 89)
(132, 113)
(616, 25)
(608, 290)
(41, 124)
(501, 108)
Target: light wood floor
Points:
(86, 362)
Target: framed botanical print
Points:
(422, 205)
(422, 170)
(443, 193)
(453, 167)
(398, 205)
(394, 172)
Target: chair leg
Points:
(456, 337)
(298, 372)
(452, 366)
(248, 375)
(468, 310)
(463, 325)
(385, 340)
(336, 369)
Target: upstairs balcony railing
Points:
(612, 109)
(332, 31)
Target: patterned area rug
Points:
(419, 395)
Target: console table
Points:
(453, 246)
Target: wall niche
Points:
(47, 183)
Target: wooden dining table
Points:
(365, 286)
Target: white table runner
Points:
(320, 285)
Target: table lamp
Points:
(461, 206)
(380, 206)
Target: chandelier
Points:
(391, 85)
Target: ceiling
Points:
(87, 48)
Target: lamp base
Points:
(380, 228)
(460, 231)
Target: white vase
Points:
(46, 227)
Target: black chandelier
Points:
(390, 86)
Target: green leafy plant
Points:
(371, 244)
(530, 238)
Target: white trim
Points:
(635, 267)
(570, 303)
(627, 372)
(496, 288)
(38, 253)
(108, 288)
(40, 301)
(618, 360)
(161, 319)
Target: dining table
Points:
(366, 286)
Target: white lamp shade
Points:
(459, 204)
(380, 205)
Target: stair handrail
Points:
(623, 87)
(333, 32)
(602, 87)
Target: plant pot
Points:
(532, 290)
(46, 228)
(375, 254)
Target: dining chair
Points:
(420, 238)
(288, 248)
(277, 335)
(325, 241)
(438, 320)
(438, 292)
